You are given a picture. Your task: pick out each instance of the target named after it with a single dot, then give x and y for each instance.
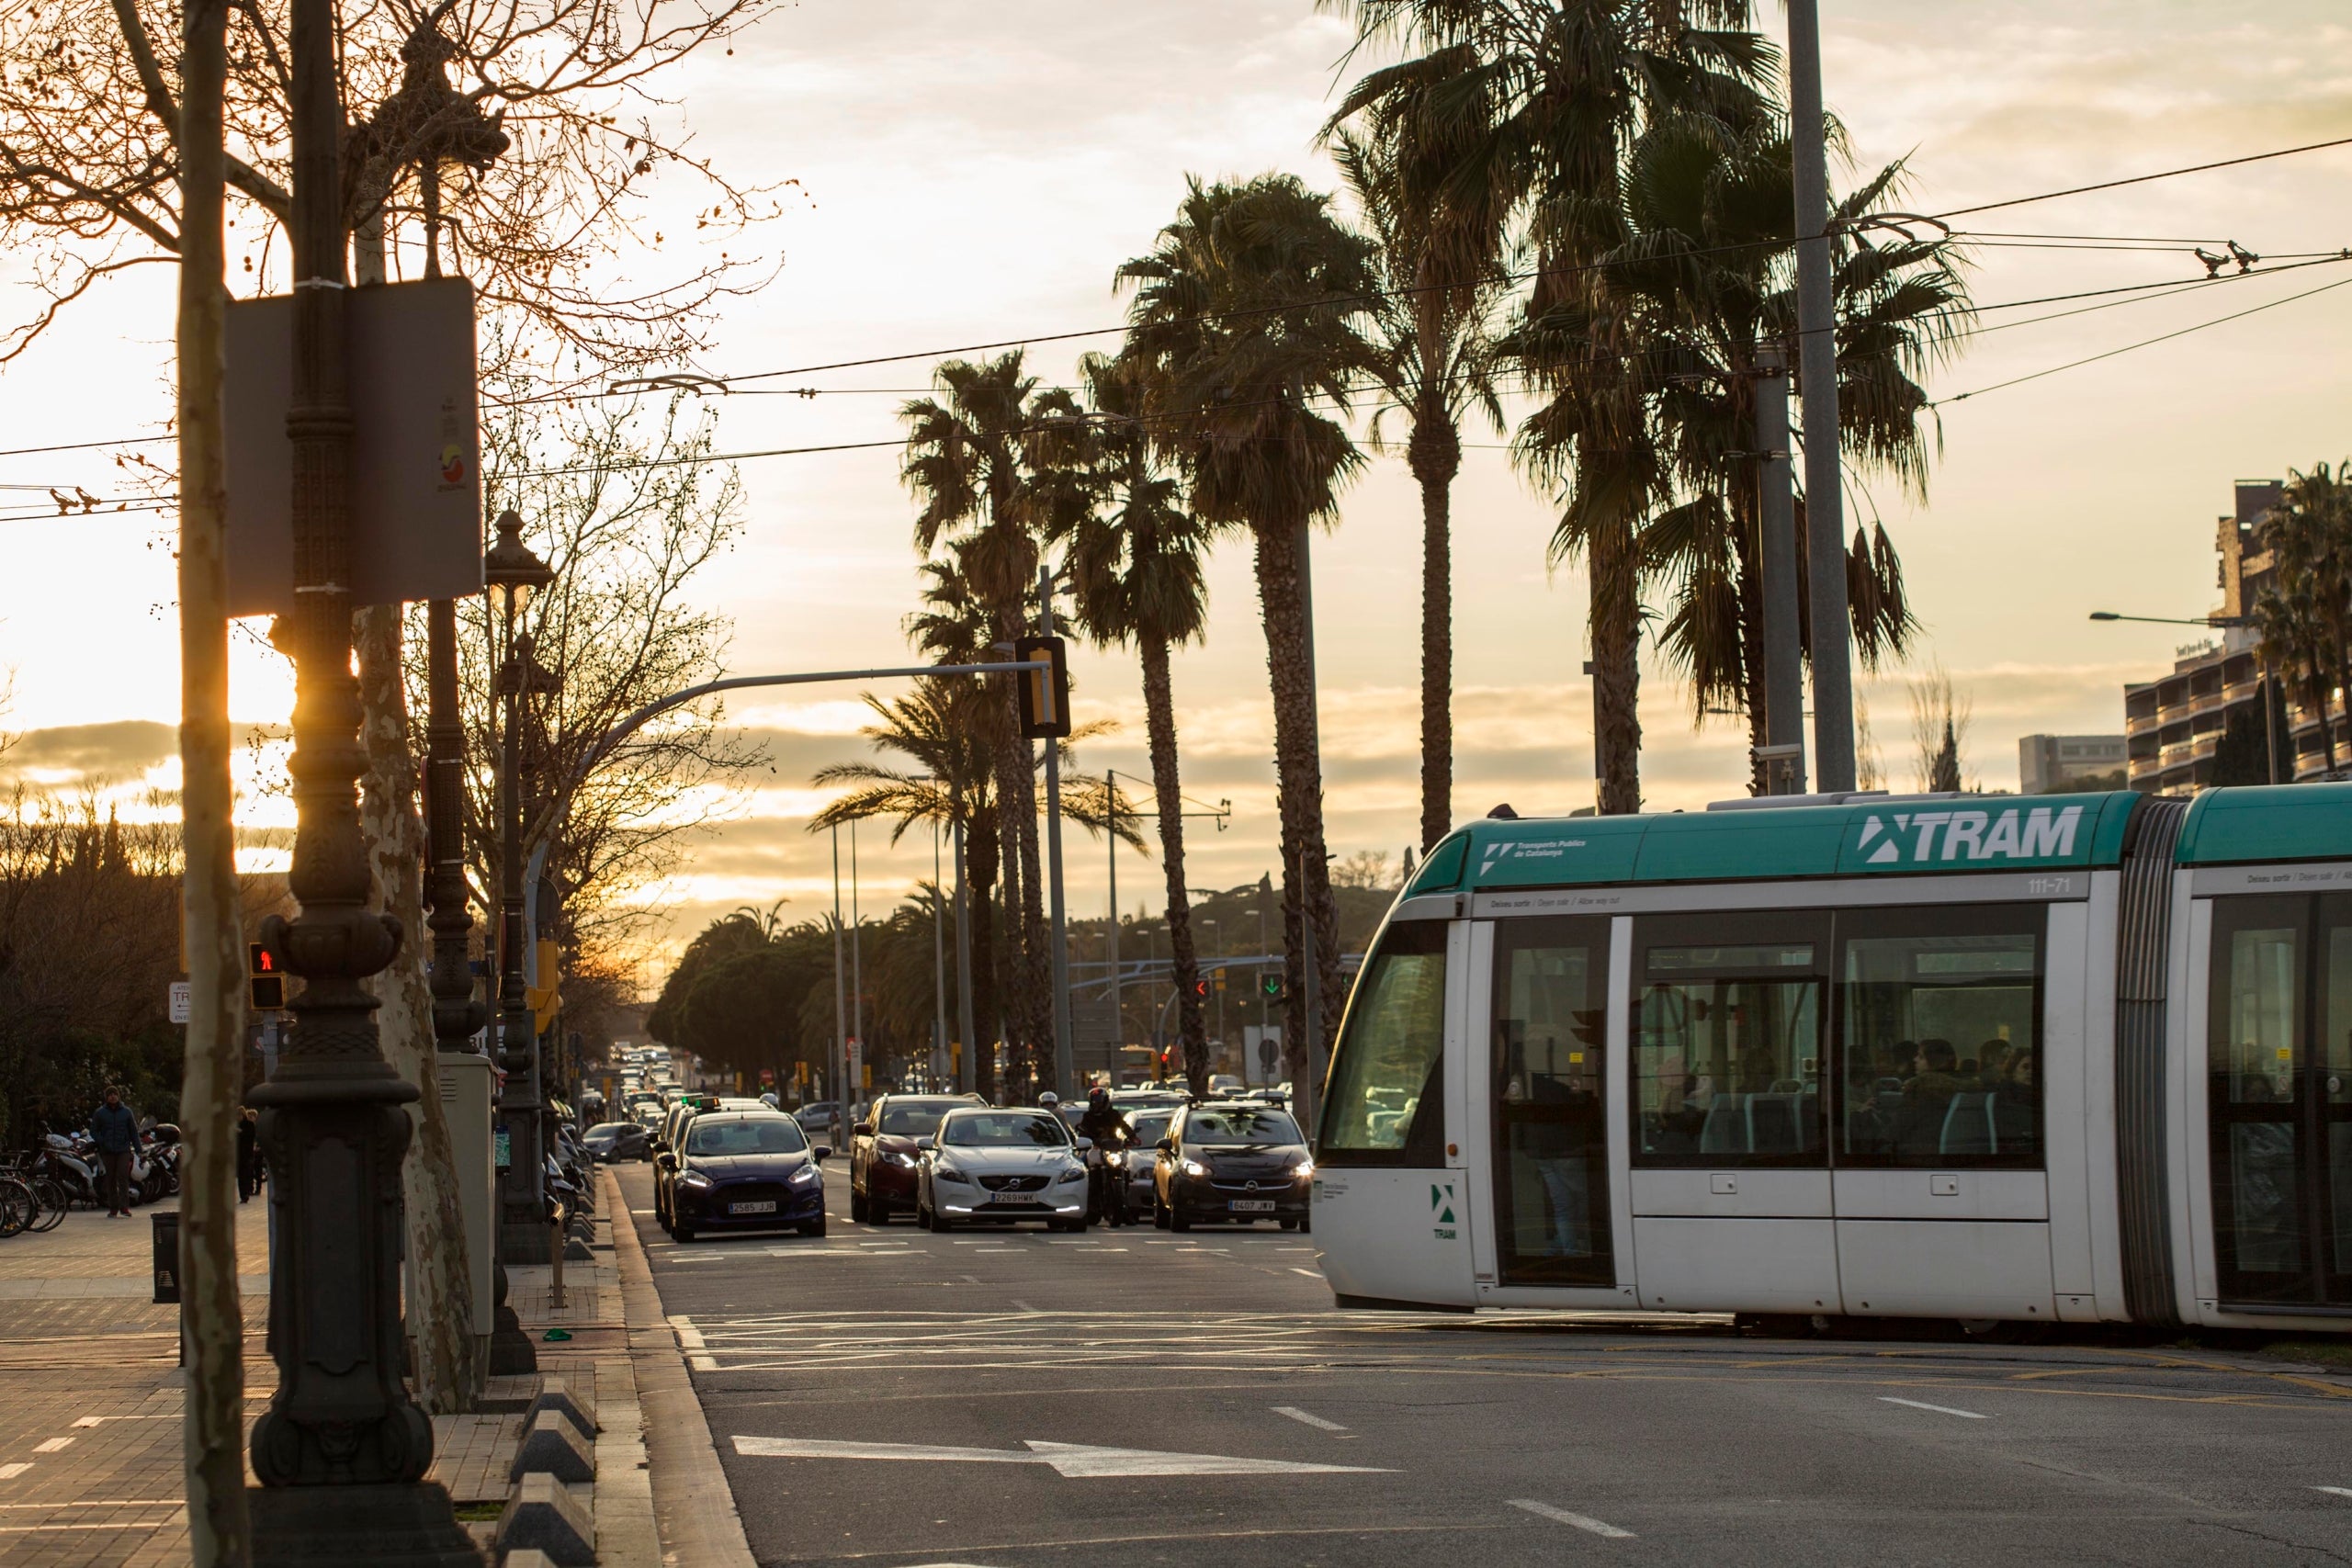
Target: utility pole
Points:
(1118, 1004)
(341, 1451)
(1824, 531)
(857, 1065)
(966, 1067)
(839, 1066)
(1064, 1063)
(938, 966)
(1782, 753)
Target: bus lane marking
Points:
(1562, 1516)
(1939, 1409)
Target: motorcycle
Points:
(73, 1168)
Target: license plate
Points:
(1252, 1205)
(762, 1206)
(1015, 1200)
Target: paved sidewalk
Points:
(90, 1396)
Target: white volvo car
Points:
(1000, 1166)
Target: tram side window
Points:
(1942, 1044)
(1727, 1061)
(1383, 1106)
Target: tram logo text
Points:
(1916, 838)
(1442, 1209)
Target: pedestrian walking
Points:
(114, 1128)
(248, 1156)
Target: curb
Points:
(689, 1484)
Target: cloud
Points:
(124, 749)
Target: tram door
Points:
(2279, 1097)
(1551, 1134)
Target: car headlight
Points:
(693, 1178)
(1074, 1173)
(804, 1173)
(949, 1173)
(897, 1158)
(1303, 1169)
(1194, 1167)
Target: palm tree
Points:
(1135, 564)
(1246, 313)
(1537, 101)
(946, 729)
(1705, 266)
(972, 460)
(2308, 534)
(1443, 276)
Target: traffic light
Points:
(1200, 987)
(1044, 693)
(1269, 986)
(265, 986)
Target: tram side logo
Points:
(1916, 838)
(1441, 1201)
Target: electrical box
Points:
(466, 1085)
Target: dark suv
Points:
(882, 1152)
(1235, 1161)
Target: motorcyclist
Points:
(1108, 1130)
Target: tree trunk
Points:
(1616, 663)
(448, 1373)
(1434, 455)
(1754, 690)
(980, 876)
(1036, 940)
(213, 1420)
(1298, 769)
(2317, 685)
(1159, 713)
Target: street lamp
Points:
(513, 574)
(2224, 622)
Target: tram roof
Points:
(2269, 822)
(1879, 835)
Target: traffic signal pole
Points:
(1065, 1053)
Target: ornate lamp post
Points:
(341, 1451)
(513, 574)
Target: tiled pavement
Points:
(90, 1397)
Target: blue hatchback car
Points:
(746, 1171)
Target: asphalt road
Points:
(1212, 1361)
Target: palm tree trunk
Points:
(212, 1425)
(1747, 547)
(1036, 951)
(1015, 804)
(447, 1375)
(1617, 671)
(1434, 454)
(2317, 686)
(980, 862)
(1159, 714)
(1298, 769)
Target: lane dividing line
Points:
(1317, 1422)
(1562, 1516)
(1308, 1272)
(1939, 1409)
(2334, 1491)
(54, 1445)
(10, 1471)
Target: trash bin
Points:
(167, 1255)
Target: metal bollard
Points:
(555, 1261)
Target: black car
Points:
(743, 1170)
(614, 1141)
(1232, 1161)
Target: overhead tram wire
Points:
(1941, 218)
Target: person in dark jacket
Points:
(248, 1156)
(114, 1128)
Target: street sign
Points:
(1093, 1021)
(416, 485)
(183, 997)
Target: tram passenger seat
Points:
(1726, 1131)
(1968, 1126)
(1772, 1124)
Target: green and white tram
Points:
(2070, 1058)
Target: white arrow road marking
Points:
(2334, 1491)
(1314, 1421)
(1939, 1409)
(1076, 1461)
(1562, 1516)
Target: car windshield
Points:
(1236, 1126)
(752, 1136)
(1149, 1126)
(913, 1118)
(610, 1129)
(1010, 1129)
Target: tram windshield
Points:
(1384, 1082)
